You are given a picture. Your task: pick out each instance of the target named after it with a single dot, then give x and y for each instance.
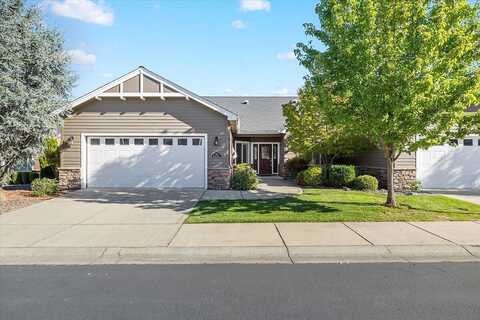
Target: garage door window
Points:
(197, 142)
(153, 142)
(468, 142)
(95, 142)
(168, 141)
(124, 141)
(182, 142)
(110, 141)
(138, 142)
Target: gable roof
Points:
(141, 71)
(261, 115)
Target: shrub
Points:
(48, 172)
(340, 175)
(13, 178)
(44, 186)
(313, 176)
(366, 182)
(244, 177)
(294, 166)
(300, 178)
(415, 185)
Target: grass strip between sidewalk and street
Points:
(328, 205)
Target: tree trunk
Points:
(391, 201)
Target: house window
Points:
(197, 142)
(182, 141)
(275, 158)
(453, 142)
(241, 149)
(468, 142)
(124, 141)
(153, 142)
(255, 157)
(138, 141)
(109, 141)
(95, 142)
(168, 141)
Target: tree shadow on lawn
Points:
(287, 205)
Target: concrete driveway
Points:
(100, 218)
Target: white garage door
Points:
(150, 161)
(455, 166)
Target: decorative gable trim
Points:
(176, 91)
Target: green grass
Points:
(322, 205)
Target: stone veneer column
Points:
(69, 179)
(219, 178)
(401, 178)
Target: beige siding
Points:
(114, 89)
(376, 159)
(150, 85)
(132, 85)
(151, 116)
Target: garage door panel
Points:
(157, 166)
(456, 167)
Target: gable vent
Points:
(245, 102)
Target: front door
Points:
(265, 157)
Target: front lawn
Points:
(323, 205)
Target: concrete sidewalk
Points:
(242, 243)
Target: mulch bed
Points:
(16, 199)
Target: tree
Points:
(34, 83)
(50, 157)
(402, 73)
(309, 131)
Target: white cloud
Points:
(238, 24)
(81, 57)
(84, 10)
(228, 91)
(286, 55)
(281, 92)
(254, 5)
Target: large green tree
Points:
(35, 82)
(310, 132)
(402, 73)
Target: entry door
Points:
(265, 158)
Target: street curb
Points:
(238, 255)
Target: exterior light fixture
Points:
(215, 142)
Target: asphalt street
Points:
(322, 291)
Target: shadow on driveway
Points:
(179, 200)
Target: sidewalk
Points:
(271, 243)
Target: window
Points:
(453, 142)
(138, 141)
(241, 149)
(124, 141)
(168, 141)
(468, 142)
(153, 142)
(94, 141)
(275, 158)
(182, 141)
(197, 142)
(255, 156)
(109, 141)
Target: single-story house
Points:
(142, 130)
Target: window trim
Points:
(247, 157)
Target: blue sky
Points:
(212, 47)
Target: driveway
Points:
(100, 218)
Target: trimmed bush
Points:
(340, 175)
(415, 185)
(244, 177)
(44, 186)
(365, 182)
(300, 178)
(313, 176)
(294, 166)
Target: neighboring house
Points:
(142, 130)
